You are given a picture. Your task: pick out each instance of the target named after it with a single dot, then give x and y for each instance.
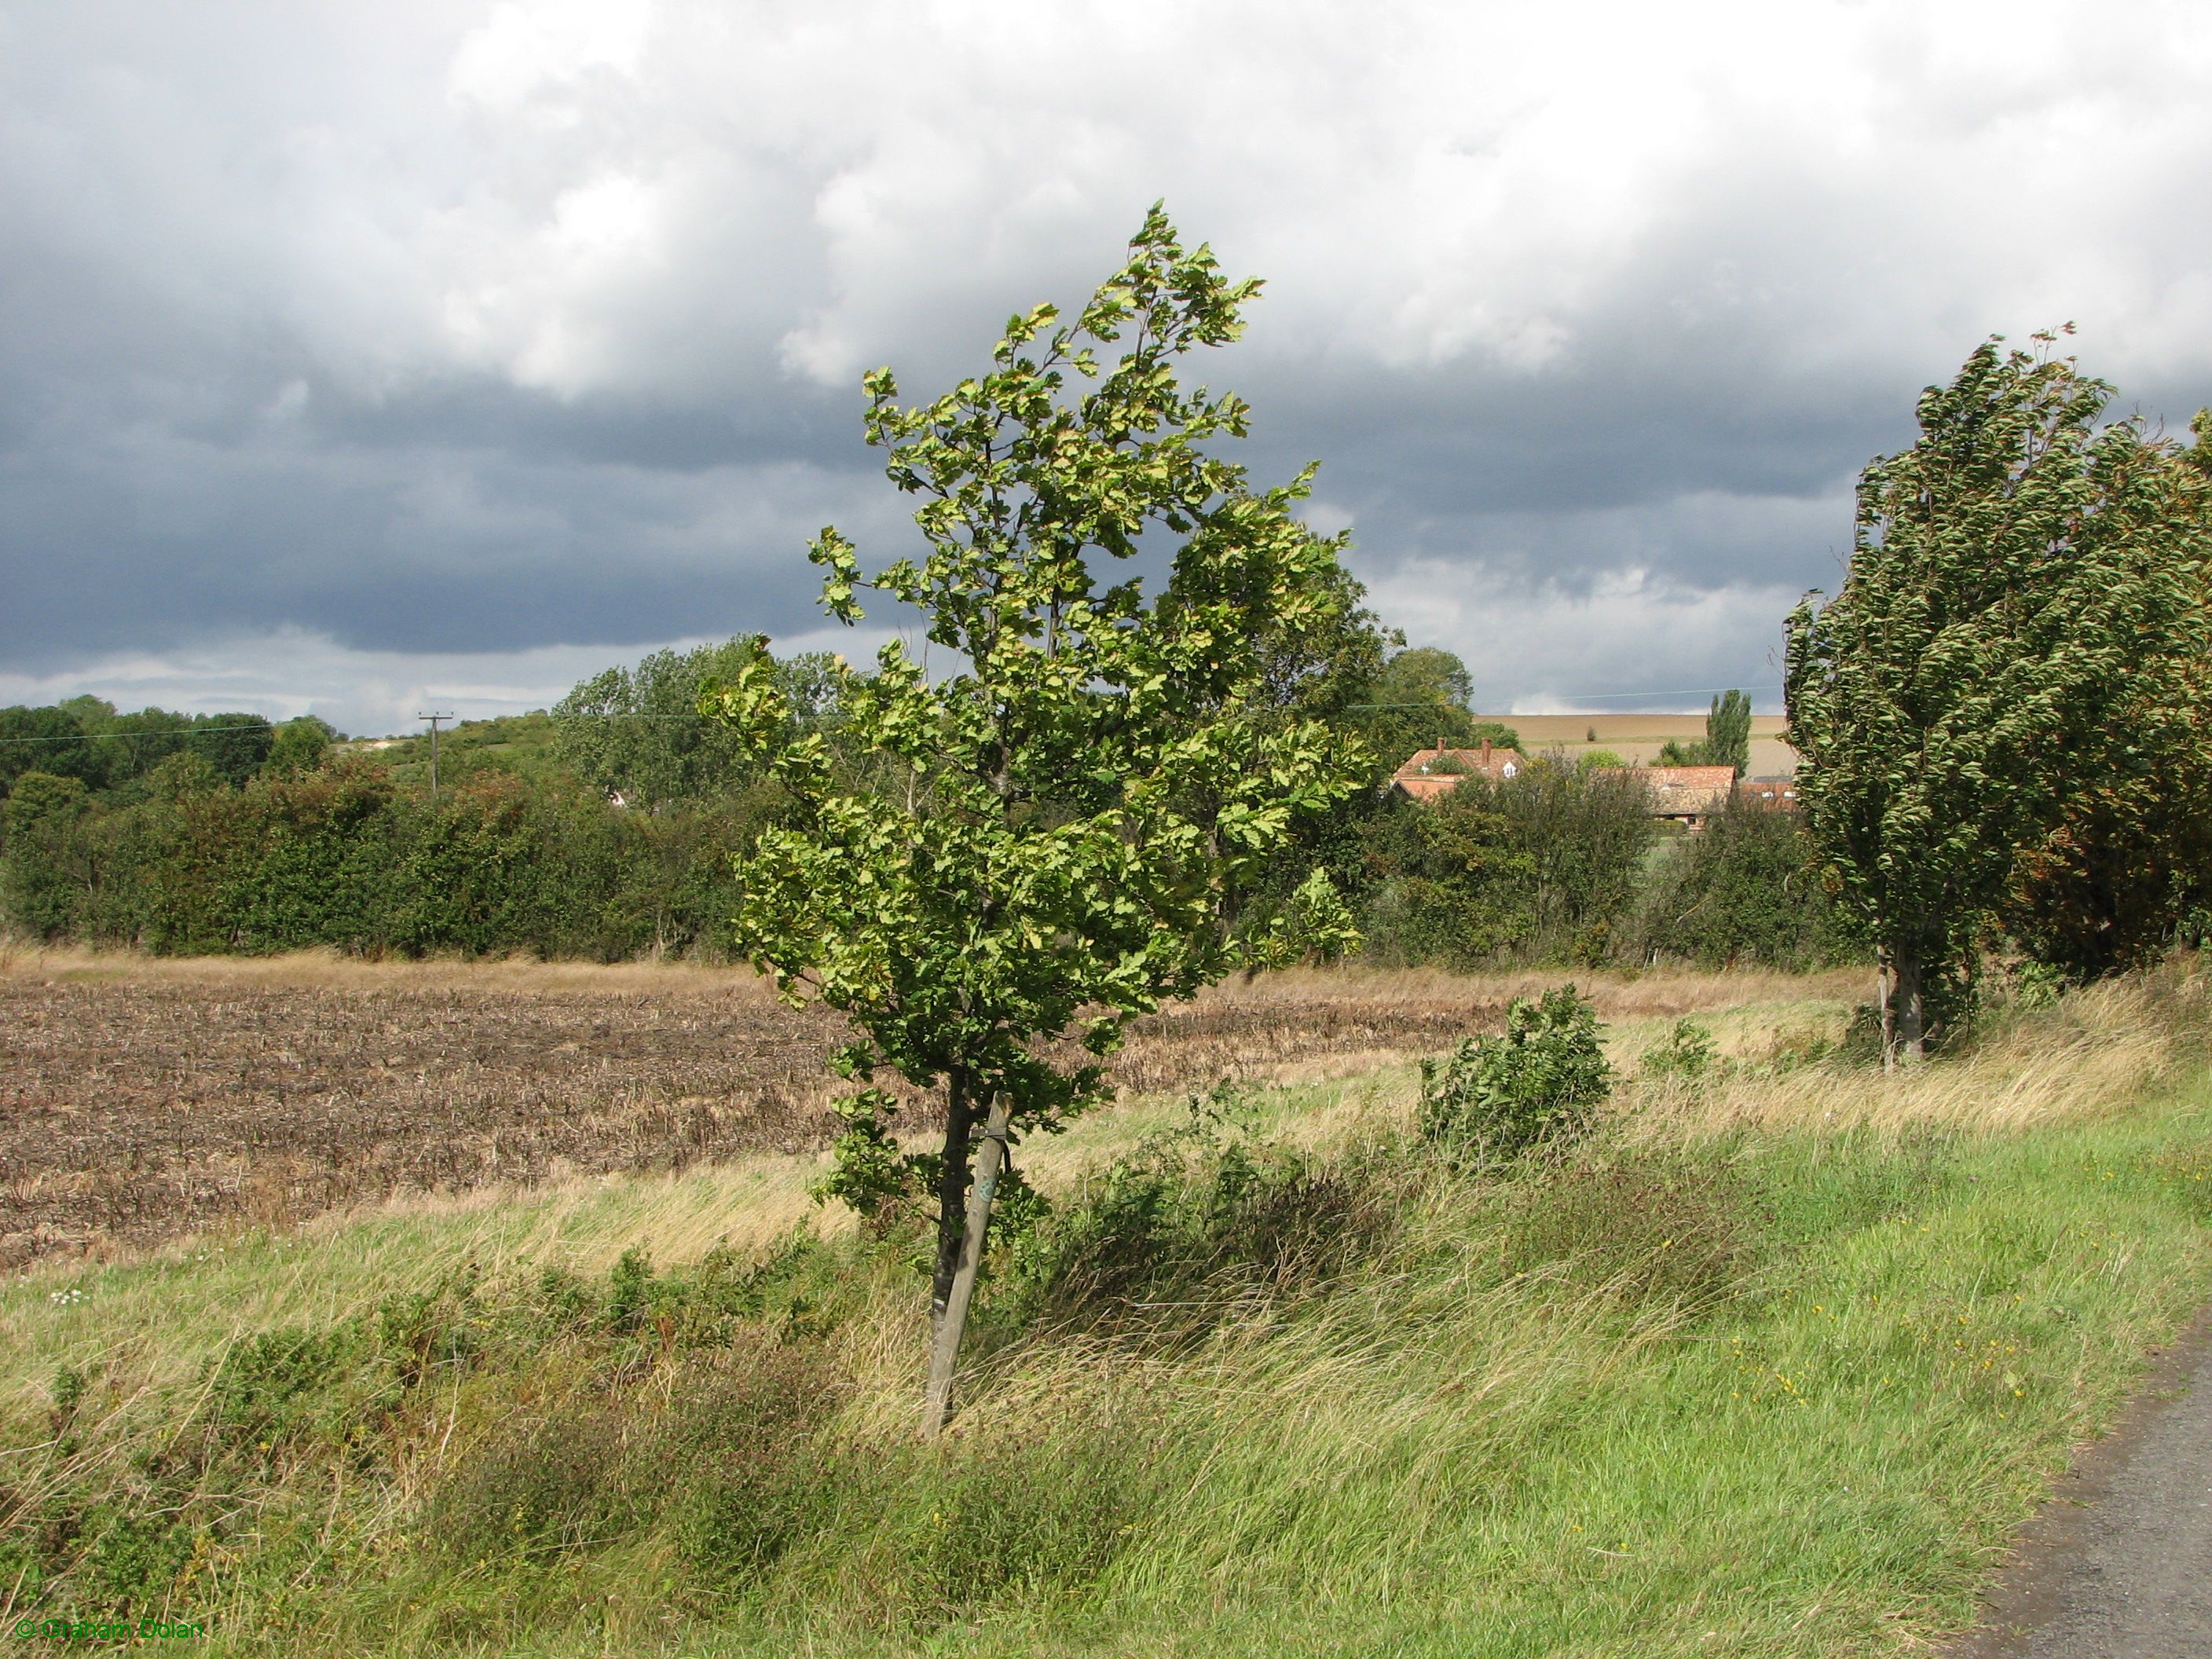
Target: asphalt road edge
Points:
(2029, 1590)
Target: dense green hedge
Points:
(343, 857)
(1743, 889)
(195, 833)
(1554, 866)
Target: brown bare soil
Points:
(140, 1099)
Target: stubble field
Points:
(142, 1100)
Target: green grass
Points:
(1716, 1383)
(525, 745)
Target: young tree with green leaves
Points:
(1085, 796)
(2015, 575)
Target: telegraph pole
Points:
(433, 719)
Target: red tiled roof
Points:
(1689, 777)
(1423, 775)
(1429, 788)
(1683, 790)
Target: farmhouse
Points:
(1430, 773)
(1686, 795)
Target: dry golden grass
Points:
(329, 970)
(2096, 1052)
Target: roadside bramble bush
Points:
(1536, 1086)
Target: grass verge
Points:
(1770, 1366)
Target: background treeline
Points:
(345, 857)
(603, 828)
(1565, 865)
(302, 845)
(115, 755)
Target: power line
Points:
(158, 732)
(1687, 691)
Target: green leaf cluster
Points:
(1078, 795)
(2020, 576)
(1538, 1084)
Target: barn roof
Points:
(1681, 792)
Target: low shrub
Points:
(1196, 1219)
(1536, 1086)
(1686, 1051)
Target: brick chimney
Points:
(1485, 754)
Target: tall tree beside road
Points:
(2016, 575)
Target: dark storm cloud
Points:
(363, 341)
(425, 550)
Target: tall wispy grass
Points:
(2090, 1054)
(1769, 1365)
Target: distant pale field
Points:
(1638, 736)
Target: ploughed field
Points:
(141, 1099)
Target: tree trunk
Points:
(952, 1320)
(1885, 1005)
(951, 1195)
(1908, 1007)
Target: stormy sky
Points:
(357, 359)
